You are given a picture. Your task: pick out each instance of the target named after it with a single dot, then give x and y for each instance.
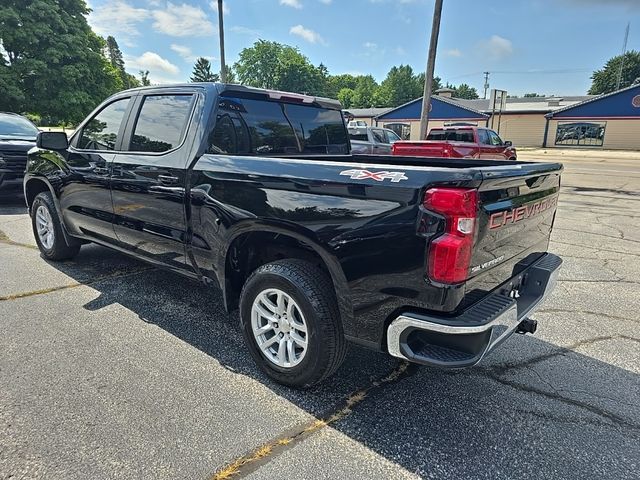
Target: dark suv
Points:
(17, 137)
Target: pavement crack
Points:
(585, 312)
(613, 280)
(246, 464)
(601, 412)
(32, 293)
(496, 372)
(597, 249)
(504, 367)
(7, 241)
(620, 237)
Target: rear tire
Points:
(47, 229)
(291, 323)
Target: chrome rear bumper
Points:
(464, 340)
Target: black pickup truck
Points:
(436, 261)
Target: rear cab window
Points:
(247, 126)
(456, 135)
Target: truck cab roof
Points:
(224, 88)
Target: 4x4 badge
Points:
(377, 176)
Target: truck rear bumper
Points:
(463, 341)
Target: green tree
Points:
(144, 78)
(277, 66)
(365, 93)
(345, 96)
(606, 79)
(54, 58)
(465, 91)
(335, 83)
(231, 76)
(114, 55)
(400, 86)
(202, 71)
(12, 98)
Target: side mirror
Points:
(52, 140)
(508, 143)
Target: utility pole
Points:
(223, 66)
(431, 65)
(486, 84)
(624, 50)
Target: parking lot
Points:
(110, 368)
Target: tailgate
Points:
(420, 149)
(517, 206)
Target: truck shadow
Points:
(532, 411)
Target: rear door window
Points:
(101, 132)
(378, 135)
(161, 123)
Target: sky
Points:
(544, 46)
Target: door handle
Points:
(168, 179)
(101, 171)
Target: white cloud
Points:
(187, 54)
(326, 2)
(400, 51)
(184, 52)
(370, 45)
(496, 48)
(453, 52)
(225, 7)
(153, 62)
(117, 18)
(244, 30)
(306, 34)
(291, 3)
(182, 21)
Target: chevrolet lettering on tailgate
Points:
(515, 215)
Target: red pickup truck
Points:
(458, 142)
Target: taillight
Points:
(450, 254)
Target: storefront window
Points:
(580, 133)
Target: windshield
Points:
(14, 126)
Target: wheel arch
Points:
(33, 185)
(248, 249)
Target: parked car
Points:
(255, 192)
(459, 142)
(356, 124)
(17, 137)
(372, 140)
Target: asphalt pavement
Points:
(110, 368)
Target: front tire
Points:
(291, 323)
(47, 229)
